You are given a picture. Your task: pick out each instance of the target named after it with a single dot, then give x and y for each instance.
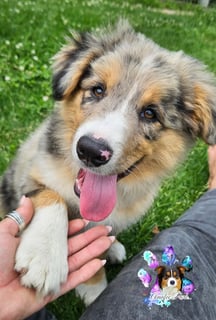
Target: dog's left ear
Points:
(181, 270)
(197, 98)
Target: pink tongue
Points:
(98, 196)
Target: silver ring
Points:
(15, 216)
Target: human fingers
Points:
(25, 210)
(81, 275)
(76, 225)
(212, 167)
(80, 241)
(91, 251)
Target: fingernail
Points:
(86, 222)
(109, 228)
(22, 200)
(103, 262)
(112, 238)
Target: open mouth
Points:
(98, 193)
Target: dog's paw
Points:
(41, 269)
(90, 290)
(117, 252)
(41, 257)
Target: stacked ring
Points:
(15, 216)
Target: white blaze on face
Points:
(97, 187)
(112, 128)
(98, 191)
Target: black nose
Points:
(172, 282)
(93, 152)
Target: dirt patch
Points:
(172, 12)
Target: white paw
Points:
(42, 254)
(90, 290)
(117, 252)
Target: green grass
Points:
(31, 32)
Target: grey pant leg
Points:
(43, 314)
(193, 234)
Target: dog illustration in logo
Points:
(170, 278)
(170, 282)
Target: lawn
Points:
(32, 31)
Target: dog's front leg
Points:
(41, 257)
(92, 288)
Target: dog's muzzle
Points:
(97, 192)
(93, 152)
(171, 282)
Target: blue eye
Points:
(148, 113)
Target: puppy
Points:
(170, 277)
(126, 113)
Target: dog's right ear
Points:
(197, 103)
(159, 269)
(73, 60)
(71, 63)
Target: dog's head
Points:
(129, 106)
(170, 277)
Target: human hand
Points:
(18, 302)
(212, 167)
